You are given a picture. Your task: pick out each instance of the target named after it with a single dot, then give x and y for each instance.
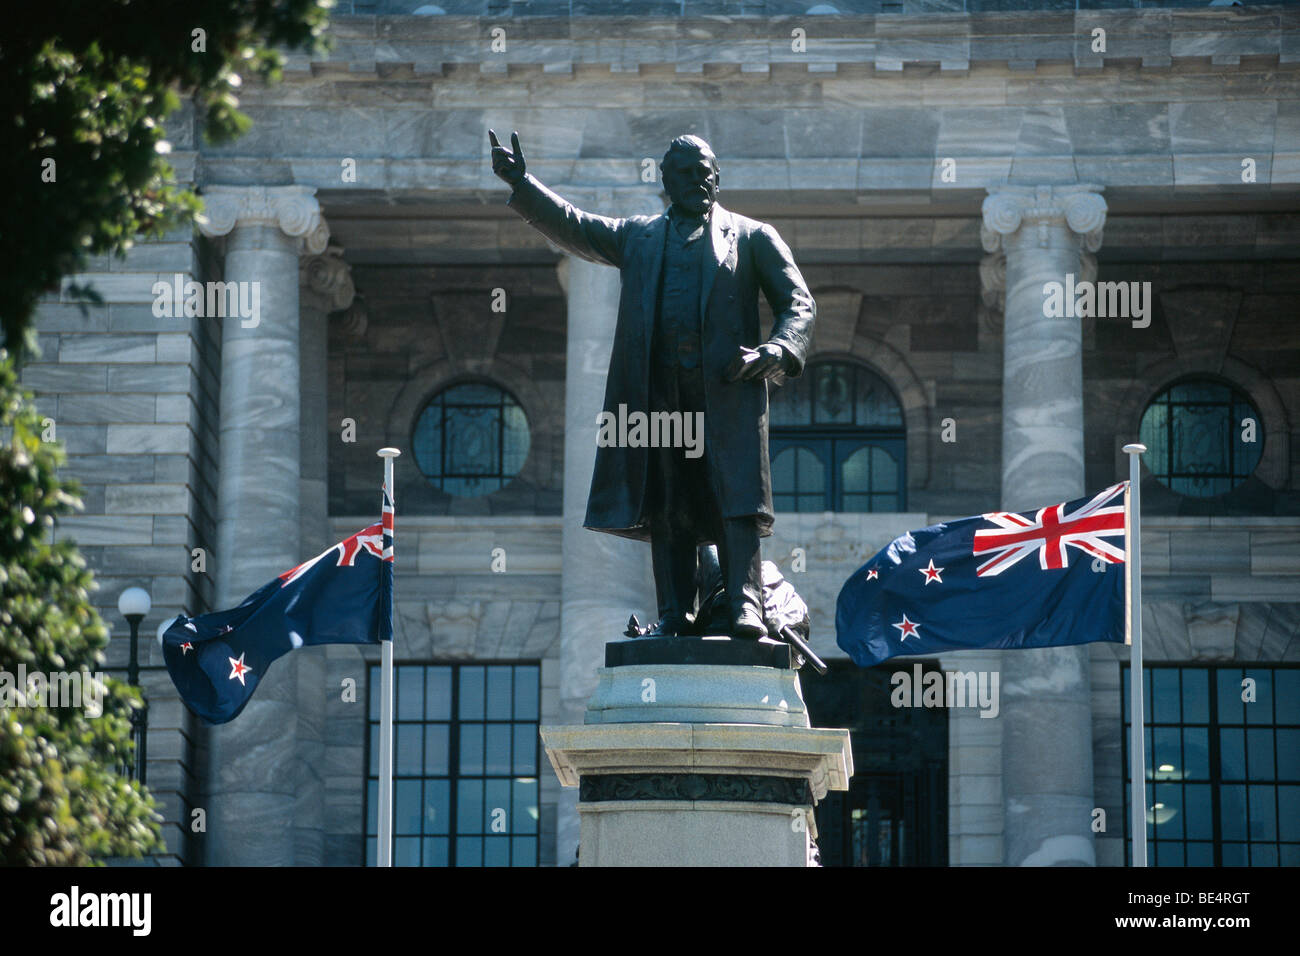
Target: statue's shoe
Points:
(747, 622)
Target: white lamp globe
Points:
(162, 628)
(134, 601)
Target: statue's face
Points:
(690, 181)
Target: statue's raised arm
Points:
(583, 234)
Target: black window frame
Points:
(453, 722)
(1215, 779)
(837, 442)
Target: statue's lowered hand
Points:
(765, 362)
(506, 164)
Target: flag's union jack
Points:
(1052, 532)
(387, 552)
(942, 588)
(373, 539)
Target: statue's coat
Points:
(747, 257)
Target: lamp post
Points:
(133, 604)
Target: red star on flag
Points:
(238, 669)
(908, 628)
(186, 648)
(873, 574)
(931, 573)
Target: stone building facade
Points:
(931, 164)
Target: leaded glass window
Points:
(471, 439)
(836, 441)
(1203, 438)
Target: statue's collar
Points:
(676, 215)
(690, 228)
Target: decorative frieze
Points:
(743, 788)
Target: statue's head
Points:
(690, 175)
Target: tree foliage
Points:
(62, 800)
(85, 86)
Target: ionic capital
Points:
(1007, 209)
(293, 209)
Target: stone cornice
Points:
(294, 209)
(1019, 40)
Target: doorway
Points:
(895, 812)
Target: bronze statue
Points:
(687, 340)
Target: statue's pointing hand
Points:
(509, 166)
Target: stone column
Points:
(1045, 234)
(254, 768)
(604, 578)
(325, 286)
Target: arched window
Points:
(471, 439)
(837, 441)
(1203, 437)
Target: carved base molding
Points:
(739, 788)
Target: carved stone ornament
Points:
(355, 319)
(328, 278)
(993, 279)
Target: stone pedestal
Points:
(681, 763)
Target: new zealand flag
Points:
(341, 596)
(1039, 579)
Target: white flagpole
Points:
(385, 852)
(1133, 616)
